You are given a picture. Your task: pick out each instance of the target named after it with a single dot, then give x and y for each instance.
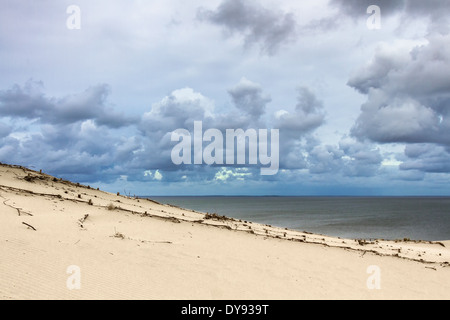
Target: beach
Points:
(63, 240)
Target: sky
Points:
(93, 91)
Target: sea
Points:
(390, 218)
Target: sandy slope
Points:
(137, 249)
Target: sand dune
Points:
(61, 240)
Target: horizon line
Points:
(304, 196)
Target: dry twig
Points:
(29, 226)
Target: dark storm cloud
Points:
(375, 74)
(390, 120)
(249, 98)
(358, 8)
(308, 114)
(426, 158)
(360, 159)
(436, 13)
(5, 130)
(8, 147)
(71, 136)
(258, 25)
(409, 175)
(29, 102)
(408, 95)
(296, 126)
(434, 9)
(325, 159)
(350, 158)
(62, 150)
(402, 72)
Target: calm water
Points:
(424, 218)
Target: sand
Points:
(61, 240)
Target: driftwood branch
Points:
(82, 220)
(18, 209)
(162, 242)
(29, 226)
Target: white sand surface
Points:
(54, 244)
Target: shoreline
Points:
(375, 218)
(40, 211)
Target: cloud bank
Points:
(80, 135)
